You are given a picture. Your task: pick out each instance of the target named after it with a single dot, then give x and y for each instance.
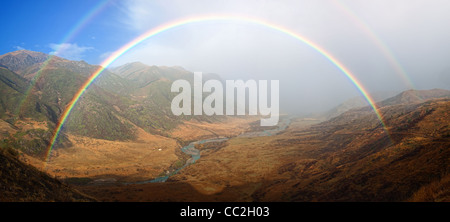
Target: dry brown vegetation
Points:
(437, 191)
(229, 127)
(123, 131)
(350, 158)
(21, 182)
(149, 156)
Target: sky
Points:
(389, 45)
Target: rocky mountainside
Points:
(22, 61)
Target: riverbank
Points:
(195, 154)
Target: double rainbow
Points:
(70, 35)
(197, 19)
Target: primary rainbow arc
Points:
(382, 46)
(167, 26)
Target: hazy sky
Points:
(375, 40)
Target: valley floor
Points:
(350, 158)
(329, 161)
(99, 161)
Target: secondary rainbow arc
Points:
(167, 26)
(382, 46)
(73, 31)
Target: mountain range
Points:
(122, 129)
(37, 87)
(351, 157)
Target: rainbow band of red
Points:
(181, 22)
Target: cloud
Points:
(18, 47)
(69, 50)
(106, 55)
(413, 31)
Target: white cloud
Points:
(69, 50)
(412, 30)
(142, 14)
(106, 55)
(18, 47)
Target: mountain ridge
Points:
(111, 107)
(349, 157)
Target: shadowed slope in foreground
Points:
(21, 182)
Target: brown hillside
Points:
(348, 158)
(21, 182)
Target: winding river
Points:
(195, 153)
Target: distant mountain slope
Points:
(356, 102)
(28, 64)
(21, 61)
(411, 98)
(21, 182)
(388, 98)
(138, 71)
(142, 74)
(152, 96)
(414, 96)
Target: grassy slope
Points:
(12, 89)
(94, 116)
(138, 95)
(363, 164)
(21, 182)
(349, 158)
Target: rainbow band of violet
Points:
(167, 26)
